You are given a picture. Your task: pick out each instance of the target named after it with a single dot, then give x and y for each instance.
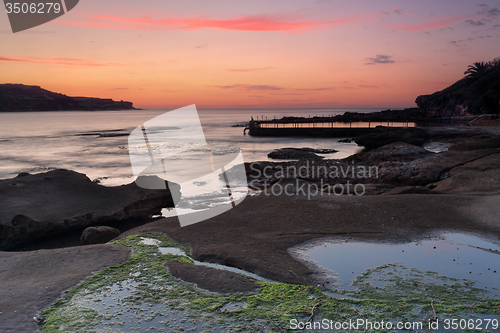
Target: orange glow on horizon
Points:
(260, 55)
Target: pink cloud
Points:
(241, 23)
(314, 89)
(445, 21)
(248, 87)
(57, 61)
(362, 86)
(258, 96)
(368, 86)
(246, 70)
(291, 94)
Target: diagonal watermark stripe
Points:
(172, 149)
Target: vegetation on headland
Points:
(390, 292)
(477, 93)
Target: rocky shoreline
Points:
(394, 162)
(414, 193)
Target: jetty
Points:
(354, 124)
(316, 128)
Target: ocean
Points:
(96, 143)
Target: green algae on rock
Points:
(141, 294)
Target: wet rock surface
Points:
(257, 240)
(419, 171)
(32, 281)
(479, 176)
(211, 279)
(40, 205)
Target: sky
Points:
(254, 54)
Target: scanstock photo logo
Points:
(27, 14)
(171, 150)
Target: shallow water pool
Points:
(454, 255)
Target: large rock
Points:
(479, 176)
(400, 164)
(398, 151)
(299, 153)
(382, 136)
(35, 206)
(98, 235)
(421, 172)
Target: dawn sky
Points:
(254, 54)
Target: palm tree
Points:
(495, 65)
(477, 70)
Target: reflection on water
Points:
(338, 124)
(453, 255)
(120, 315)
(437, 147)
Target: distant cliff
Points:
(477, 93)
(19, 97)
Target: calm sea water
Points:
(95, 143)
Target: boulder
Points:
(40, 205)
(98, 235)
(382, 136)
(397, 152)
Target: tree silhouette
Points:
(477, 70)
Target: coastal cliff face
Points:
(19, 97)
(477, 93)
